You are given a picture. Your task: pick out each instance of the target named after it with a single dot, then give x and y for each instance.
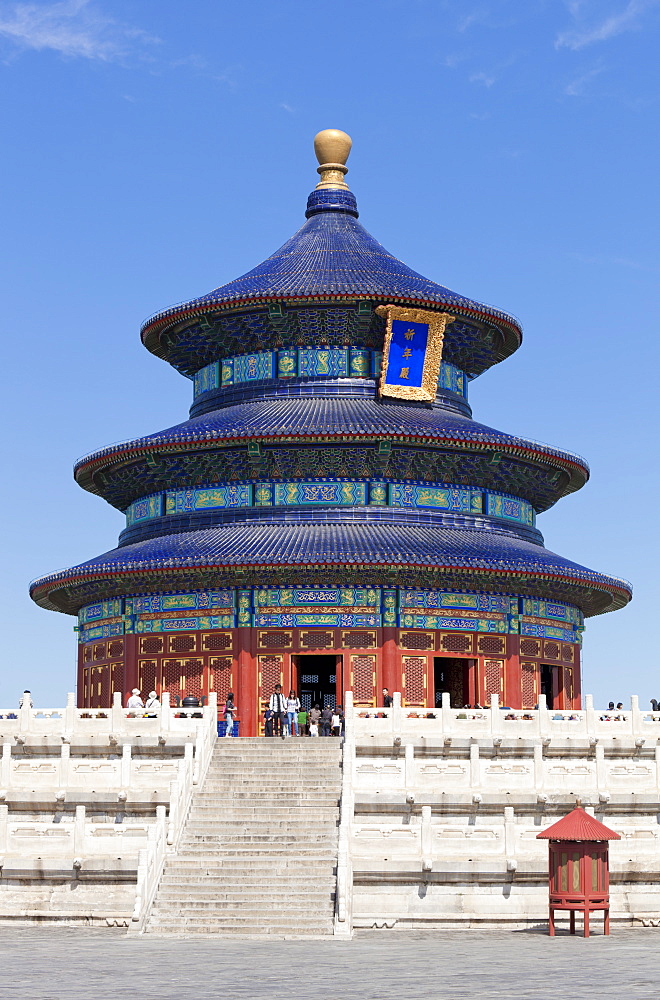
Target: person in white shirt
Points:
(135, 700)
(152, 703)
(336, 724)
(292, 709)
(277, 705)
(26, 699)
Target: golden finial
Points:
(332, 147)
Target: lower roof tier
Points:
(323, 422)
(368, 554)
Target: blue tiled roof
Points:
(257, 545)
(327, 417)
(332, 255)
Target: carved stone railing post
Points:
(510, 839)
(544, 718)
(539, 767)
(475, 765)
(397, 714)
(165, 712)
(410, 767)
(117, 714)
(635, 715)
(495, 715)
(590, 715)
(446, 713)
(65, 764)
(426, 842)
(4, 818)
(70, 713)
(5, 773)
(126, 766)
(349, 716)
(79, 832)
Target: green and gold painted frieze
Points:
(309, 362)
(348, 607)
(334, 492)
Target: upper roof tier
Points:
(331, 259)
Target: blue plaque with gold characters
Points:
(412, 352)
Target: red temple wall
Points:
(250, 661)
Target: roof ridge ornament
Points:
(332, 148)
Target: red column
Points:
(577, 679)
(80, 686)
(246, 682)
(130, 664)
(391, 670)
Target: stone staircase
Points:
(259, 852)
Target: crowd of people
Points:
(285, 716)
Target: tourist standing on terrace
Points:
(292, 709)
(277, 706)
(230, 712)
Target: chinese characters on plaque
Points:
(412, 352)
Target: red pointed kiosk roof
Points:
(578, 825)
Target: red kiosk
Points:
(578, 866)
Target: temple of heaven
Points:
(330, 517)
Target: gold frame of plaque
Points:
(436, 323)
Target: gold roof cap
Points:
(332, 147)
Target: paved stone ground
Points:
(72, 964)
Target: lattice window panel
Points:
(529, 684)
(530, 647)
(358, 640)
(172, 670)
(316, 639)
(417, 640)
(567, 653)
(85, 687)
(152, 644)
(221, 678)
(270, 674)
(456, 642)
(493, 677)
(104, 697)
(193, 671)
(363, 672)
(148, 675)
(492, 645)
(116, 648)
(182, 643)
(213, 641)
(551, 650)
(275, 640)
(99, 651)
(414, 679)
(116, 678)
(568, 686)
(95, 686)
(87, 654)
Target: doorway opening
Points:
(316, 678)
(451, 673)
(549, 682)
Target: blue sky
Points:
(506, 148)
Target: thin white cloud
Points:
(627, 19)
(484, 78)
(288, 108)
(73, 28)
(577, 87)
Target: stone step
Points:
(252, 930)
(218, 868)
(277, 907)
(234, 824)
